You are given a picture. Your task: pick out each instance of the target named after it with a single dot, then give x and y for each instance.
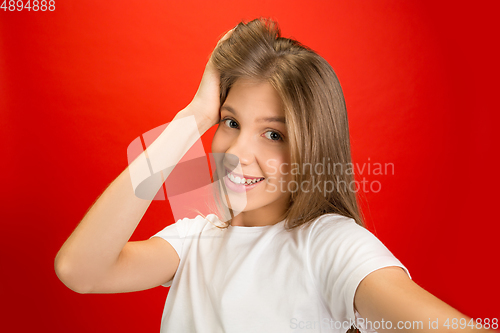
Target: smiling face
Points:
(253, 129)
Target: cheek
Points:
(279, 168)
(286, 174)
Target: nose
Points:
(242, 148)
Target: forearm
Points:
(95, 245)
(388, 299)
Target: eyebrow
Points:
(265, 119)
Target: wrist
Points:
(203, 122)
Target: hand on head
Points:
(206, 102)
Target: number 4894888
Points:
(29, 5)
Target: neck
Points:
(267, 215)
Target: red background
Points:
(78, 84)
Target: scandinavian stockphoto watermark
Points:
(327, 176)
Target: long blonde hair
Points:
(314, 108)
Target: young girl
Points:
(293, 254)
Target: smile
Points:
(243, 181)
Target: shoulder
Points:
(334, 219)
(181, 233)
(198, 224)
(346, 243)
(189, 226)
(329, 229)
(341, 253)
(336, 226)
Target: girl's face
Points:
(253, 129)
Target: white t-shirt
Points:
(267, 279)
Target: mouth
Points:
(243, 179)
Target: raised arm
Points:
(98, 257)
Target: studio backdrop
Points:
(81, 80)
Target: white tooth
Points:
(249, 181)
(243, 180)
(237, 179)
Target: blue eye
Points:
(274, 136)
(230, 122)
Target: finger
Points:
(226, 36)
